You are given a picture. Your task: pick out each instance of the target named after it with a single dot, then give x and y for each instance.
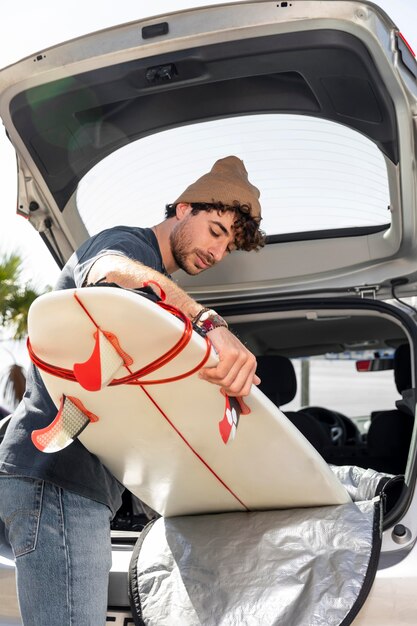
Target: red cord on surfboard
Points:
(180, 448)
(135, 377)
(99, 370)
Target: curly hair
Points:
(248, 235)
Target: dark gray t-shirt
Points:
(73, 468)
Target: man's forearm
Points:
(131, 274)
(235, 371)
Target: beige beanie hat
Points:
(227, 182)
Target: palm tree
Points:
(13, 384)
(16, 296)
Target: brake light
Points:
(364, 366)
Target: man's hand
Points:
(235, 371)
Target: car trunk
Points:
(68, 108)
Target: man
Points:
(56, 508)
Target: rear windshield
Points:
(314, 175)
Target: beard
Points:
(183, 251)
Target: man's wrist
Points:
(208, 319)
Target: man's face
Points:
(199, 241)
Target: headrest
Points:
(402, 367)
(278, 380)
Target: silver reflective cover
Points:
(304, 567)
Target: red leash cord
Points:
(133, 377)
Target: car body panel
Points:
(9, 611)
(392, 597)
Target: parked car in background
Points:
(320, 101)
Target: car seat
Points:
(389, 434)
(279, 384)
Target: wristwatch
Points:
(207, 320)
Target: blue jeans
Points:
(61, 544)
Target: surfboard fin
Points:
(70, 421)
(228, 425)
(101, 366)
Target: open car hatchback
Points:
(319, 99)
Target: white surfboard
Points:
(179, 445)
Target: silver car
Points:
(320, 101)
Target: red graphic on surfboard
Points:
(230, 421)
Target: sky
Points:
(27, 27)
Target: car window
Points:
(332, 381)
(314, 175)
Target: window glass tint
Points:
(313, 175)
(334, 383)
